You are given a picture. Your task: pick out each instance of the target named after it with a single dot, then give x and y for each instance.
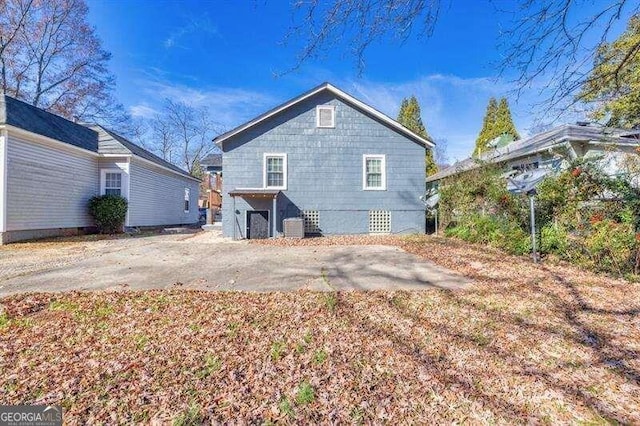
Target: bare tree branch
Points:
(552, 46)
(357, 23)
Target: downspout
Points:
(275, 213)
(235, 219)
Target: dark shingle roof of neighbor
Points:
(33, 119)
(141, 152)
(36, 120)
(214, 160)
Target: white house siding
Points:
(157, 196)
(48, 186)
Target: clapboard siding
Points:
(325, 169)
(156, 196)
(48, 187)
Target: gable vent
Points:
(325, 116)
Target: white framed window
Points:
(379, 221)
(326, 116)
(187, 205)
(275, 171)
(374, 172)
(112, 182)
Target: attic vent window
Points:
(326, 116)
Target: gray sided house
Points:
(50, 167)
(327, 157)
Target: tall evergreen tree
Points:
(504, 122)
(497, 122)
(488, 123)
(409, 117)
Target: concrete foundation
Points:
(36, 234)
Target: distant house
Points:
(51, 167)
(211, 193)
(329, 158)
(212, 163)
(554, 149)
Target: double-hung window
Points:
(275, 171)
(374, 173)
(113, 183)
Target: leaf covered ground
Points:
(526, 343)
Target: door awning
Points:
(254, 192)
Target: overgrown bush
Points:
(554, 239)
(582, 214)
(492, 230)
(109, 212)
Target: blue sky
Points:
(225, 55)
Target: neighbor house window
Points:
(113, 183)
(325, 116)
(275, 171)
(186, 200)
(374, 173)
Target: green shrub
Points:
(493, 230)
(109, 212)
(584, 215)
(554, 239)
(612, 246)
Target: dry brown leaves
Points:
(527, 343)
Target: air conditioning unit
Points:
(294, 227)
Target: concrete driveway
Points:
(207, 261)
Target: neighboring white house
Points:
(555, 148)
(50, 167)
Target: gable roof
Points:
(33, 119)
(389, 122)
(536, 144)
(125, 146)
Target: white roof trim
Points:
(350, 99)
(45, 139)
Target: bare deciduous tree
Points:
(182, 135)
(440, 153)
(164, 137)
(52, 58)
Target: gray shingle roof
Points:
(534, 144)
(33, 119)
(130, 147)
(214, 160)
